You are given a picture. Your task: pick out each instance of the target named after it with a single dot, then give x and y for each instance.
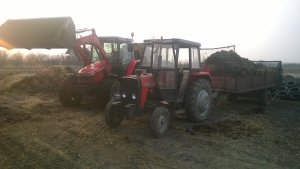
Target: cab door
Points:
(166, 75)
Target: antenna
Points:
(132, 35)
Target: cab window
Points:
(195, 58)
(183, 58)
(92, 52)
(111, 50)
(147, 56)
(167, 57)
(125, 53)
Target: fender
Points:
(167, 105)
(201, 74)
(131, 66)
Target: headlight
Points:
(124, 95)
(133, 96)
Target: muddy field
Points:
(36, 131)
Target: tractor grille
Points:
(130, 86)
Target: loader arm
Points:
(88, 39)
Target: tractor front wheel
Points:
(115, 89)
(109, 88)
(160, 121)
(68, 96)
(198, 100)
(113, 114)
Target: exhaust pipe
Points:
(45, 33)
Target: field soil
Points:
(36, 131)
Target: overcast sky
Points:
(260, 29)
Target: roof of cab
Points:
(115, 39)
(181, 42)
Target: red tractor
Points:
(169, 80)
(105, 59)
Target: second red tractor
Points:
(169, 80)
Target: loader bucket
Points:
(38, 33)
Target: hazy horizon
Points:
(261, 30)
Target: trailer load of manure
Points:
(230, 63)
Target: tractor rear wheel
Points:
(198, 100)
(160, 121)
(113, 114)
(68, 96)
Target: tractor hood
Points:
(38, 33)
(90, 69)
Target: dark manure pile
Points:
(230, 63)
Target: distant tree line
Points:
(291, 65)
(34, 59)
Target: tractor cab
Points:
(171, 61)
(169, 80)
(119, 52)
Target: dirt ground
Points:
(36, 131)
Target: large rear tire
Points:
(113, 115)
(198, 100)
(68, 96)
(160, 121)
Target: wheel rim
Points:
(162, 124)
(203, 102)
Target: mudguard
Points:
(132, 66)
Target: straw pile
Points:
(48, 79)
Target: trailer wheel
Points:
(267, 97)
(68, 96)
(198, 100)
(113, 114)
(160, 121)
